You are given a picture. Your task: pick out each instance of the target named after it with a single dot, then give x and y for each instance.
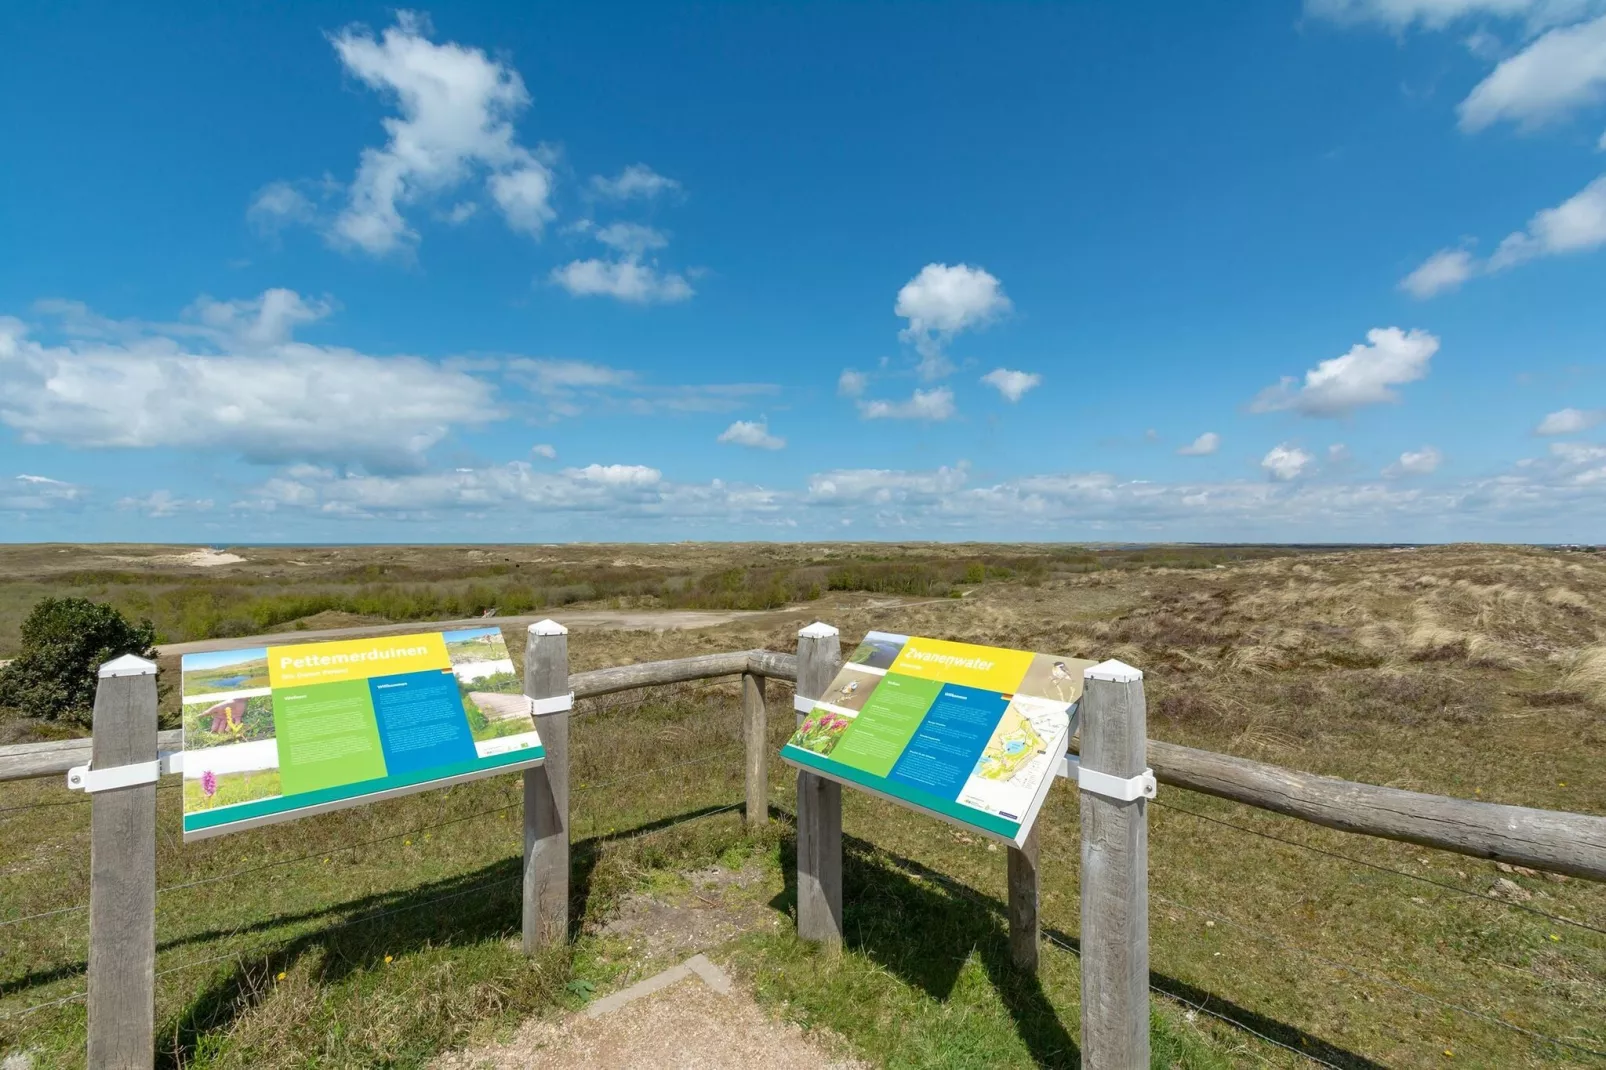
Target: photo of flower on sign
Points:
(970, 734)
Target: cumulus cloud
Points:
(636, 182)
(940, 302)
(1569, 421)
(752, 433)
(1011, 384)
(1284, 462)
(1578, 224)
(1363, 376)
(235, 383)
(1422, 462)
(453, 126)
(1561, 71)
(851, 384)
(278, 205)
(1445, 270)
(627, 280)
(545, 450)
(616, 475)
(632, 239)
(1429, 14)
(1203, 446)
(933, 405)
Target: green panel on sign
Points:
(883, 728)
(327, 736)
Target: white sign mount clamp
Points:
(1121, 789)
(90, 780)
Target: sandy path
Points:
(686, 1026)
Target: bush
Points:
(64, 642)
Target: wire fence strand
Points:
(1469, 892)
(1376, 978)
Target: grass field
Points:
(1470, 671)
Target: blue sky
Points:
(333, 272)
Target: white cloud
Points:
(570, 387)
(934, 405)
(1363, 376)
(236, 384)
(617, 475)
(882, 486)
(260, 322)
(544, 449)
(632, 239)
(1013, 385)
(940, 302)
(1578, 224)
(164, 503)
(33, 494)
(277, 205)
(462, 212)
(1422, 462)
(1564, 69)
(1284, 462)
(1436, 15)
(1569, 421)
(628, 280)
(752, 433)
(636, 181)
(1203, 446)
(1444, 270)
(851, 384)
(1337, 453)
(456, 107)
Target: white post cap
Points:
(818, 630)
(1118, 672)
(127, 665)
(548, 627)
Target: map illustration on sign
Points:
(971, 734)
(273, 733)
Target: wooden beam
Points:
(546, 794)
(1115, 875)
(658, 673)
(1550, 840)
(755, 730)
(122, 873)
(24, 761)
(1024, 929)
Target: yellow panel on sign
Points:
(355, 659)
(989, 668)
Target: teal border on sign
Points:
(285, 804)
(892, 789)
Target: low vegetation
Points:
(1471, 671)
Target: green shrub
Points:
(64, 642)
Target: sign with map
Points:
(970, 734)
(280, 732)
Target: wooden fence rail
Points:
(1557, 841)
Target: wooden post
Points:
(755, 726)
(1115, 875)
(546, 793)
(122, 872)
(1023, 924)
(819, 804)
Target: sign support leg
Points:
(755, 726)
(1023, 922)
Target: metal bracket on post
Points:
(540, 707)
(1121, 789)
(86, 779)
(803, 706)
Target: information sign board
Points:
(280, 732)
(970, 734)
